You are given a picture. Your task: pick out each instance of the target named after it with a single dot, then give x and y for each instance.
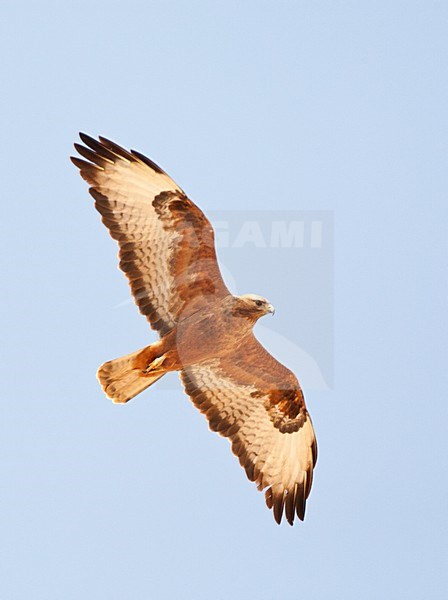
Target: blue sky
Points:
(294, 106)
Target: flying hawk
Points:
(167, 252)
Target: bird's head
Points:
(252, 306)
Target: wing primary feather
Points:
(148, 162)
(309, 482)
(88, 171)
(99, 148)
(83, 164)
(118, 150)
(92, 156)
(314, 451)
(300, 500)
(278, 506)
(290, 507)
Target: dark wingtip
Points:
(147, 161)
(315, 452)
(289, 509)
(78, 162)
(277, 516)
(300, 502)
(87, 139)
(83, 151)
(278, 509)
(118, 150)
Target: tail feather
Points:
(122, 379)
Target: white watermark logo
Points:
(278, 234)
(287, 257)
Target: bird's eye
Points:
(258, 302)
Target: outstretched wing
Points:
(258, 404)
(167, 248)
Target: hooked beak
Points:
(271, 309)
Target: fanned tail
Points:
(123, 378)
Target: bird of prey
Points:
(167, 251)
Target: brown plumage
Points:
(167, 252)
